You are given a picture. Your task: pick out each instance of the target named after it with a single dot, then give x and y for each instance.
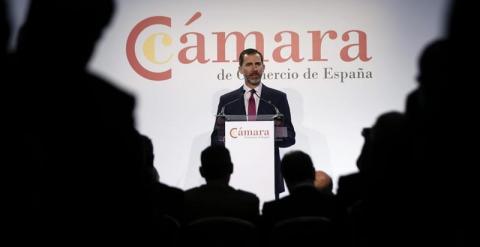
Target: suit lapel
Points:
(240, 104)
(263, 107)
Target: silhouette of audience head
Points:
(431, 60)
(151, 174)
(364, 159)
(434, 86)
(297, 169)
(323, 182)
(64, 31)
(385, 136)
(216, 164)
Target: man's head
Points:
(297, 168)
(323, 182)
(251, 66)
(216, 163)
(150, 174)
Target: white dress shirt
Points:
(246, 97)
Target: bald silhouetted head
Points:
(323, 182)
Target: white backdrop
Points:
(328, 115)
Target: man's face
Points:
(252, 69)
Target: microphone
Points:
(222, 111)
(278, 114)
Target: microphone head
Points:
(220, 121)
(222, 112)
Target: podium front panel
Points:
(251, 145)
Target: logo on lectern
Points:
(249, 133)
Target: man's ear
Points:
(239, 71)
(230, 168)
(201, 171)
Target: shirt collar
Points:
(258, 89)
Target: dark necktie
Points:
(252, 109)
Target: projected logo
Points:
(249, 133)
(151, 52)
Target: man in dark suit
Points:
(304, 199)
(217, 198)
(252, 99)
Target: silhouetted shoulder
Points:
(167, 200)
(110, 91)
(304, 201)
(111, 101)
(169, 190)
(248, 195)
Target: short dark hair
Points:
(297, 166)
(432, 59)
(216, 162)
(249, 51)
